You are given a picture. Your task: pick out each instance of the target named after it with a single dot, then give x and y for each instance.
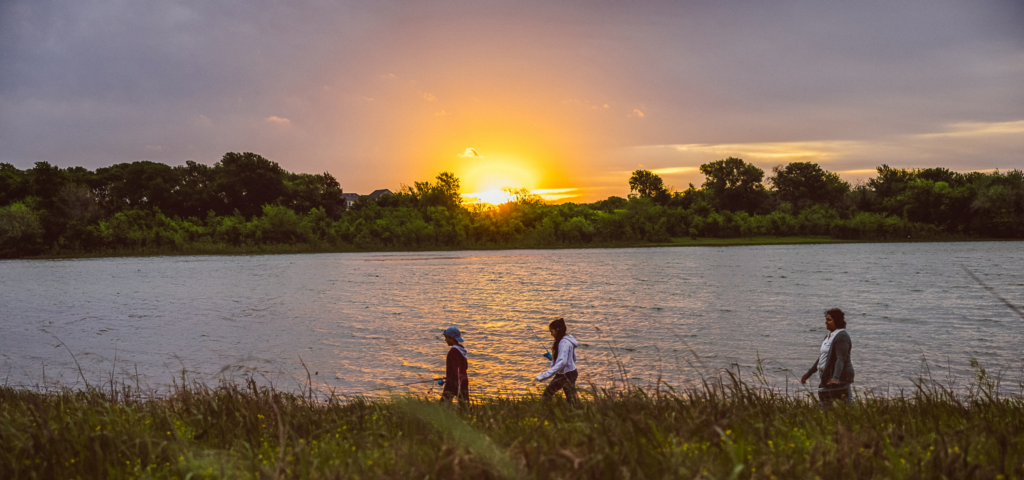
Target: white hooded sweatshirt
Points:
(565, 362)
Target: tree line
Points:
(246, 202)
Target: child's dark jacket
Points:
(456, 378)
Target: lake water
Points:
(365, 321)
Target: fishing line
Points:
(993, 292)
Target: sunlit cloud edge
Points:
(914, 148)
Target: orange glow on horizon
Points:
(499, 196)
(556, 194)
(485, 172)
(498, 171)
(495, 137)
(489, 197)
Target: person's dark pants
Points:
(462, 394)
(564, 382)
(827, 395)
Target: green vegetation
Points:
(722, 430)
(246, 203)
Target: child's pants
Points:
(565, 382)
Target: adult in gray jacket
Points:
(834, 364)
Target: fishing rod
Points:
(833, 389)
(547, 351)
(439, 381)
(993, 292)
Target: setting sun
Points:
(492, 197)
(494, 174)
(487, 177)
(500, 196)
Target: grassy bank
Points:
(734, 431)
(277, 249)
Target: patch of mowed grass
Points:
(720, 430)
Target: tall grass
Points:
(725, 429)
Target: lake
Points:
(368, 323)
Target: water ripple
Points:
(362, 322)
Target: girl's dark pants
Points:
(565, 382)
(462, 394)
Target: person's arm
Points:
(563, 351)
(841, 345)
(464, 377)
(814, 368)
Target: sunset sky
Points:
(563, 97)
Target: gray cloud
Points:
(96, 82)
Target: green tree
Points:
(577, 230)
(77, 203)
(940, 174)
(444, 193)
(195, 191)
(142, 184)
(805, 183)
(279, 224)
(998, 208)
(45, 181)
(306, 192)
(890, 182)
(610, 204)
(14, 185)
(247, 181)
(21, 232)
(448, 187)
(646, 183)
(735, 184)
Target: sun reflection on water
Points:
(371, 323)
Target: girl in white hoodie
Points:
(563, 365)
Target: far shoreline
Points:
(218, 250)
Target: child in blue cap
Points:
(456, 377)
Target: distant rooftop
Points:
(378, 193)
(350, 198)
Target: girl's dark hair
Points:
(558, 325)
(838, 317)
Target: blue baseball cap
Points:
(453, 332)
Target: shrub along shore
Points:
(248, 204)
(721, 430)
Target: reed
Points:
(721, 429)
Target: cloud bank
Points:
(381, 93)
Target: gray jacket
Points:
(838, 367)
